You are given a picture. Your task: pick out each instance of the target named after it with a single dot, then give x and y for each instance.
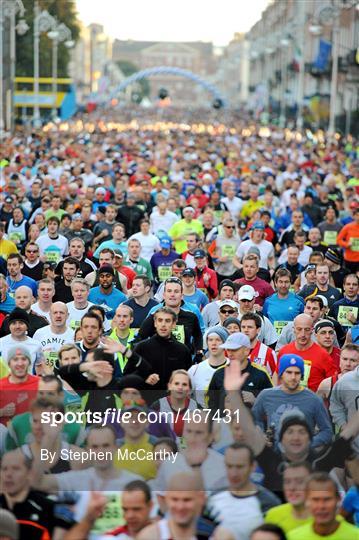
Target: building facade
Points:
(290, 53)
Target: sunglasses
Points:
(32, 251)
(227, 311)
(174, 280)
(229, 226)
(245, 300)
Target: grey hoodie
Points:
(344, 401)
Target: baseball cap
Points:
(236, 341)
(246, 292)
(290, 360)
(106, 269)
(199, 254)
(100, 190)
(9, 200)
(118, 253)
(230, 303)
(165, 243)
(189, 272)
(309, 267)
(242, 224)
(258, 225)
(227, 283)
(323, 299)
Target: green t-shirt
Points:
(19, 432)
(282, 516)
(345, 531)
(140, 267)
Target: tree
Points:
(64, 11)
(128, 68)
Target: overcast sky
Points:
(172, 20)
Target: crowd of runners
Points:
(179, 337)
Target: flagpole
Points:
(301, 64)
(334, 79)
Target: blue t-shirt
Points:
(351, 503)
(25, 280)
(109, 302)
(8, 304)
(140, 312)
(283, 309)
(199, 299)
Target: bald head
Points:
(185, 499)
(58, 315)
(303, 328)
(185, 482)
(24, 297)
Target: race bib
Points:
(74, 325)
(343, 312)
(112, 516)
(307, 370)
(52, 255)
(279, 325)
(164, 272)
(355, 244)
(51, 358)
(228, 251)
(178, 333)
(330, 237)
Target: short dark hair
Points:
(51, 378)
(15, 256)
(252, 317)
(91, 315)
(55, 219)
(298, 464)
(180, 263)
(316, 299)
(95, 308)
(243, 446)
(139, 485)
(282, 272)
(145, 280)
(71, 260)
(350, 276)
(166, 310)
(271, 528)
(322, 478)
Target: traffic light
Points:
(217, 103)
(162, 93)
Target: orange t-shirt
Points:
(350, 232)
(318, 364)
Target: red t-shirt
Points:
(21, 395)
(260, 286)
(335, 355)
(318, 363)
(129, 274)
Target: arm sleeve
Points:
(325, 434)
(337, 407)
(197, 335)
(147, 329)
(259, 413)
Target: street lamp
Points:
(9, 9)
(43, 21)
(59, 33)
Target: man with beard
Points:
(106, 294)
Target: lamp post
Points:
(59, 33)
(43, 21)
(8, 10)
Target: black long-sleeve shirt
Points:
(187, 324)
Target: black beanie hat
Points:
(294, 420)
(19, 314)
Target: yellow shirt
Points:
(137, 457)
(250, 207)
(345, 531)
(7, 248)
(182, 228)
(282, 515)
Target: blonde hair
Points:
(180, 372)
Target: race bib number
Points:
(307, 370)
(164, 272)
(355, 244)
(112, 516)
(330, 238)
(51, 358)
(178, 333)
(74, 325)
(279, 325)
(343, 315)
(228, 251)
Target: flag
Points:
(325, 49)
(297, 58)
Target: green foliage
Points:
(64, 11)
(128, 68)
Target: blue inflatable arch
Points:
(164, 70)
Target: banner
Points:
(324, 52)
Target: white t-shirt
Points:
(149, 244)
(213, 471)
(51, 343)
(266, 250)
(201, 375)
(35, 307)
(162, 222)
(32, 345)
(53, 249)
(240, 515)
(234, 206)
(75, 314)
